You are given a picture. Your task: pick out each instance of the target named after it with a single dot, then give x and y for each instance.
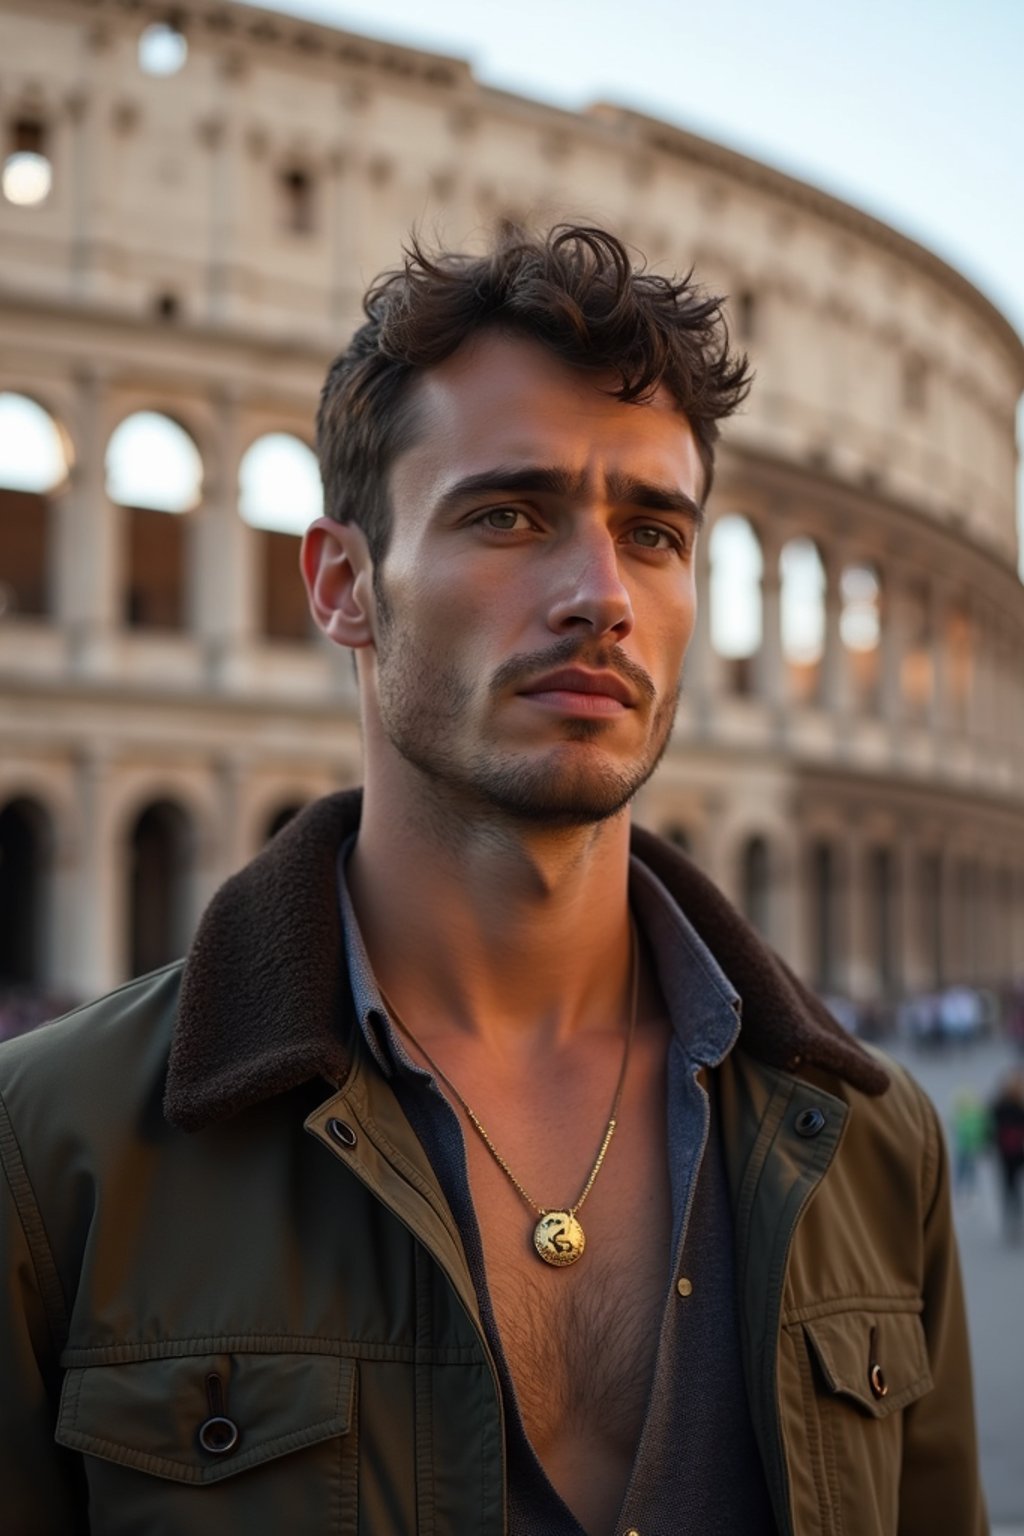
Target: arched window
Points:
(860, 627)
(33, 464)
(154, 469)
(737, 566)
(161, 853)
(297, 193)
(757, 884)
(802, 616)
(279, 493)
(26, 857)
(163, 49)
(27, 175)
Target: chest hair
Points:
(581, 1355)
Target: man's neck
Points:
(501, 930)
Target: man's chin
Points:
(561, 794)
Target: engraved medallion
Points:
(558, 1238)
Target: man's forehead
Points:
(509, 400)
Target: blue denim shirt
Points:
(697, 1468)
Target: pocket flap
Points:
(148, 1413)
(879, 1359)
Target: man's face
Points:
(537, 596)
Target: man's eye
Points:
(504, 519)
(650, 537)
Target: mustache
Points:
(573, 652)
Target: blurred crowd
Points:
(955, 1015)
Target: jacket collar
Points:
(264, 997)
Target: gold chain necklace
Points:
(558, 1237)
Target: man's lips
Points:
(589, 692)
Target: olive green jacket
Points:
(236, 1299)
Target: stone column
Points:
(225, 550)
(895, 640)
(980, 704)
(90, 555)
(98, 950)
(834, 689)
(911, 963)
(861, 966)
(770, 663)
(702, 678)
(941, 704)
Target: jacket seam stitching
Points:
(910, 1304)
(34, 1230)
(163, 1349)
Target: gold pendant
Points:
(558, 1238)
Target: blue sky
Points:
(909, 109)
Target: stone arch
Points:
(26, 894)
(155, 472)
(35, 460)
(279, 495)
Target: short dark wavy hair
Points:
(575, 290)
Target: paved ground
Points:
(994, 1282)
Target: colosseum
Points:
(192, 203)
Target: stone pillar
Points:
(98, 947)
(90, 555)
(225, 550)
(861, 966)
(979, 712)
(834, 688)
(702, 678)
(941, 703)
(895, 640)
(770, 662)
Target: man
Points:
(481, 1170)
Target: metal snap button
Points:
(809, 1122)
(218, 1435)
(342, 1132)
(879, 1385)
(684, 1286)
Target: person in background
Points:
(1007, 1118)
(971, 1134)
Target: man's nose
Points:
(590, 594)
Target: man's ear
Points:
(337, 568)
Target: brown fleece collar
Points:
(264, 998)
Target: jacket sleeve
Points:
(940, 1488)
(40, 1492)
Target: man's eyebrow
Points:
(550, 480)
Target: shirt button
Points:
(631, 1532)
(685, 1288)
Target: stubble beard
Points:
(422, 707)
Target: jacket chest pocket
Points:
(198, 1444)
(859, 1372)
